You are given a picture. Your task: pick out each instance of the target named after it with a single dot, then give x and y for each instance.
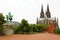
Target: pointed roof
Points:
(42, 8)
(48, 14)
(42, 12)
(47, 8)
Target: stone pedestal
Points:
(9, 32)
(8, 29)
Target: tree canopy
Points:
(2, 19)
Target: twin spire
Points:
(47, 12)
(42, 12)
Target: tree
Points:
(57, 30)
(32, 28)
(27, 28)
(41, 27)
(24, 22)
(1, 22)
(23, 27)
(2, 19)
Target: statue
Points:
(9, 17)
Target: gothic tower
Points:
(57, 25)
(48, 12)
(42, 12)
(37, 21)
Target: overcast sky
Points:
(29, 9)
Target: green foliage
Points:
(33, 28)
(24, 23)
(26, 28)
(16, 30)
(23, 27)
(1, 19)
(57, 31)
(1, 22)
(41, 27)
(1, 30)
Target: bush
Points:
(35, 28)
(26, 28)
(23, 27)
(1, 31)
(57, 31)
(42, 27)
(17, 30)
(32, 28)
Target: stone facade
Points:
(8, 27)
(46, 18)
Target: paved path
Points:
(38, 36)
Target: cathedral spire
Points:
(48, 12)
(47, 7)
(42, 12)
(42, 8)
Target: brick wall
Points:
(51, 27)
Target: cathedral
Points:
(45, 18)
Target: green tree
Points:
(57, 31)
(33, 28)
(41, 27)
(23, 27)
(2, 19)
(1, 22)
(27, 28)
(1, 31)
